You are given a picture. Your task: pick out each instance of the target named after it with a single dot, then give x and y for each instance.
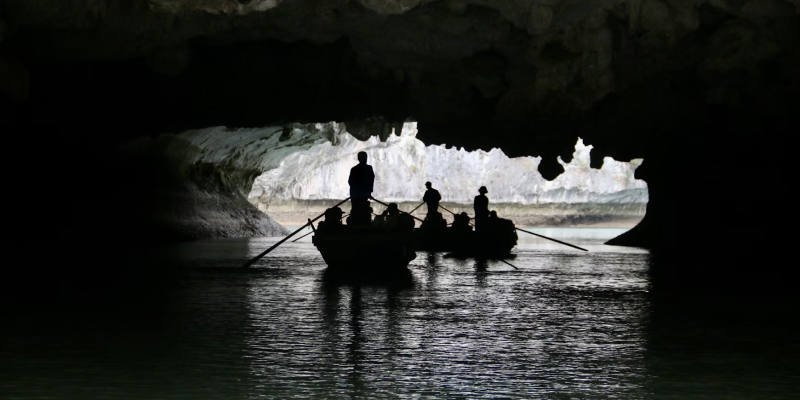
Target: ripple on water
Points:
(565, 324)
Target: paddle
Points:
(545, 237)
(512, 265)
(535, 234)
(386, 205)
(415, 208)
(256, 258)
(302, 236)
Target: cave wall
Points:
(705, 91)
(403, 164)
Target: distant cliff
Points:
(403, 164)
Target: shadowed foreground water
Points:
(566, 324)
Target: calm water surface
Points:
(565, 324)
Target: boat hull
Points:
(368, 252)
(465, 244)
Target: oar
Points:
(512, 265)
(256, 258)
(415, 208)
(386, 205)
(446, 209)
(545, 237)
(312, 231)
(302, 236)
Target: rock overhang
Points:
(503, 67)
(695, 81)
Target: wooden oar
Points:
(302, 236)
(415, 208)
(545, 237)
(387, 206)
(512, 265)
(256, 258)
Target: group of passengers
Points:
(361, 181)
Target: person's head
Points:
(464, 215)
(428, 185)
(483, 190)
(362, 157)
(392, 208)
(493, 214)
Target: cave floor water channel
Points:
(566, 324)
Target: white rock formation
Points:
(403, 164)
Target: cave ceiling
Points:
(528, 76)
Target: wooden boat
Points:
(366, 252)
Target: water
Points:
(565, 324)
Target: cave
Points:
(705, 93)
(130, 125)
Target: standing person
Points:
(481, 205)
(361, 180)
(431, 198)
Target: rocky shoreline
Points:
(599, 215)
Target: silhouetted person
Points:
(481, 205)
(461, 223)
(333, 220)
(361, 181)
(431, 198)
(492, 221)
(501, 227)
(406, 222)
(434, 220)
(392, 217)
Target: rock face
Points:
(403, 164)
(194, 185)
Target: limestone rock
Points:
(403, 164)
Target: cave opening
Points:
(707, 94)
(150, 147)
(308, 181)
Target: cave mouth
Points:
(308, 181)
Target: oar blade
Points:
(549, 238)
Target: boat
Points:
(365, 252)
(497, 242)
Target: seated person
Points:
(434, 220)
(406, 222)
(360, 215)
(333, 219)
(501, 226)
(379, 221)
(461, 223)
(392, 217)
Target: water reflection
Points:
(566, 324)
(354, 346)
